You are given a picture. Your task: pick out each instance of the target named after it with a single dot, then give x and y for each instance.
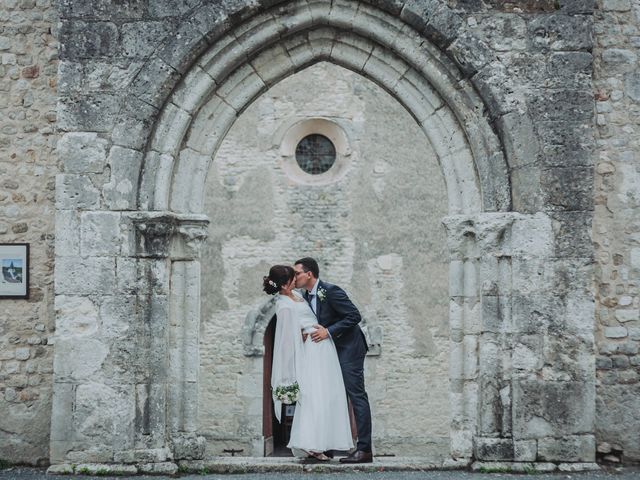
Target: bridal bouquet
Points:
(288, 394)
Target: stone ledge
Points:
(92, 469)
(532, 467)
(225, 465)
(578, 467)
(238, 465)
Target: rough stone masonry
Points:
(528, 111)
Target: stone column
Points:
(522, 354)
(463, 313)
(481, 297)
(176, 240)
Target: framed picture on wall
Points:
(14, 270)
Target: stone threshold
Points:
(231, 465)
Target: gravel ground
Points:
(626, 473)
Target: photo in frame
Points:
(14, 270)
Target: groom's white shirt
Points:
(314, 299)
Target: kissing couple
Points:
(318, 361)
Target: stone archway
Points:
(161, 151)
(239, 68)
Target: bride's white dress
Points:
(321, 419)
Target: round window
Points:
(315, 154)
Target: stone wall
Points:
(616, 230)
(360, 226)
(28, 166)
(530, 61)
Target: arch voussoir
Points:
(247, 61)
(239, 68)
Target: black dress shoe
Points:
(328, 453)
(358, 457)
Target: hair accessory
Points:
(273, 284)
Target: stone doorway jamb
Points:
(175, 240)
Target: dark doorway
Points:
(276, 434)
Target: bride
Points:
(321, 418)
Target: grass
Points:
(495, 470)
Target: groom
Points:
(338, 318)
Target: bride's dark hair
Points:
(279, 275)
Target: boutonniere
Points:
(322, 294)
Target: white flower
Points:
(322, 294)
(287, 394)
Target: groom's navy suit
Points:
(340, 317)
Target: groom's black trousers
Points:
(352, 365)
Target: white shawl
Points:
(287, 351)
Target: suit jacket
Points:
(337, 313)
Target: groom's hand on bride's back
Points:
(320, 333)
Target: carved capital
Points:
(168, 234)
(189, 240)
(255, 324)
(473, 236)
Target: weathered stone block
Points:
(163, 468)
(106, 468)
(471, 54)
(84, 276)
(603, 363)
(568, 188)
(81, 39)
(578, 467)
(525, 450)
(624, 316)
(561, 32)
(79, 361)
(571, 68)
(120, 193)
(561, 105)
(76, 192)
(527, 353)
(578, 448)
(632, 86)
(494, 448)
(170, 130)
(96, 112)
(105, 412)
(532, 236)
(572, 234)
(75, 317)
(67, 233)
(155, 455)
(435, 20)
(188, 447)
(576, 6)
(154, 82)
(140, 39)
(504, 32)
(542, 408)
(615, 404)
(536, 313)
(82, 152)
(100, 234)
(61, 469)
(134, 125)
(569, 356)
(128, 9)
(184, 46)
(615, 332)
